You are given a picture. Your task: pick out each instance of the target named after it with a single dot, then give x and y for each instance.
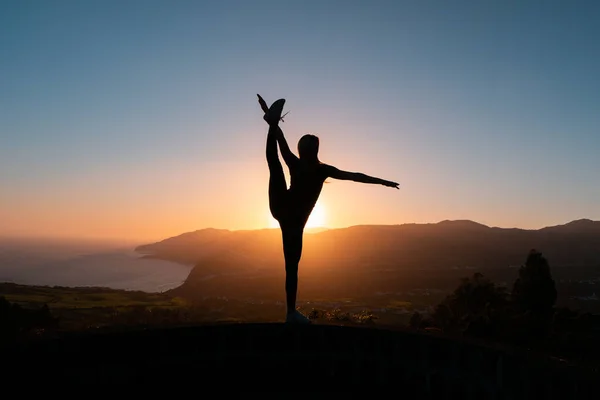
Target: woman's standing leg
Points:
(292, 252)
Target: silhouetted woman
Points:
(292, 207)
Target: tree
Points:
(415, 320)
(475, 299)
(534, 290)
(16, 321)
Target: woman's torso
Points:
(307, 180)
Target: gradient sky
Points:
(138, 119)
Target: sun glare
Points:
(317, 218)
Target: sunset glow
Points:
(142, 122)
(317, 219)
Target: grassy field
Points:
(96, 307)
(72, 298)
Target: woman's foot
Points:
(273, 115)
(296, 317)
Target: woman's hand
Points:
(391, 184)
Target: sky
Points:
(138, 119)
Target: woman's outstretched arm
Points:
(333, 172)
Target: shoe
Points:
(297, 317)
(274, 114)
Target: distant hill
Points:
(440, 245)
(580, 226)
(357, 258)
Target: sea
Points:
(73, 263)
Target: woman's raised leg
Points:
(277, 184)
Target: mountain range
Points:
(368, 252)
(443, 244)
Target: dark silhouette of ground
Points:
(266, 357)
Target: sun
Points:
(317, 218)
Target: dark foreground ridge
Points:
(268, 357)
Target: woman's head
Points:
(308, 147)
